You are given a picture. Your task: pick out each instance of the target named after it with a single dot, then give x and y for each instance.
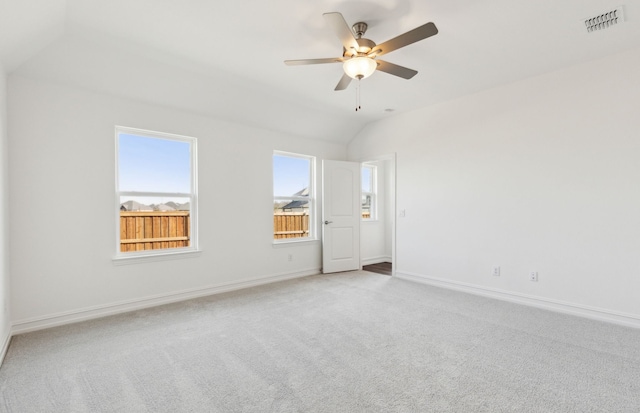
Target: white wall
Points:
(62, 199)
(5, 322)
(537, 175)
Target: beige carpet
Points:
(354, 342)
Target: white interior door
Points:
(340, 216)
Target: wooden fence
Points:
(295, 224)
(291, 225)
(150, 230)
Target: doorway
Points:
(377, 229)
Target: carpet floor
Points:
(351, 342)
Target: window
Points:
(155, 192)
(369, 178)
(293, 197)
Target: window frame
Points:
(136, 256)
(373, 210)
(311, 198)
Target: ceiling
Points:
(225, 59)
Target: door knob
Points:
(328, 222)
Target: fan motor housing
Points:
(364, 47)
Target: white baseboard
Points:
(375, 260)
(5, 347)
(629, 320)
(53, 320)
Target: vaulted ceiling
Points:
(225, 58)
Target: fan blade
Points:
(313, 61)
(412, 36)
(342, 30)
(396, 70)
(343, 83)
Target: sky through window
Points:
(153, 164)
(290, 175)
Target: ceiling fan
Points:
(359, 54)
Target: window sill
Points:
(137, 258)
(296, 243)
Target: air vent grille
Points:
(604, 20)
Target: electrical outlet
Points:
(290, 257)
(533, 276)
(403, 213)
(496, 271)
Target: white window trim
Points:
(313, 235)
(374, 194)
(292, 242)
(161, 254)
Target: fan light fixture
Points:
(360, 55)
(359, 67)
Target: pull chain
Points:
(358, 107)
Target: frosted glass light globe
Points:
(359, 67)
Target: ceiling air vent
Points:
(604, 20)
